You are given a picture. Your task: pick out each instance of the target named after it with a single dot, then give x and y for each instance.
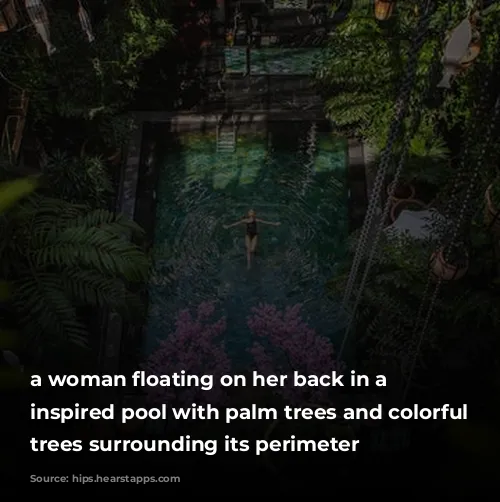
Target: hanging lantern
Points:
(450, 264)
(85, 23)
(384, 9)
(8, 16)
(492, 211)
(40, 19)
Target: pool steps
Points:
(226, 141)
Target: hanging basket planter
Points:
(404, 191)
(492, 211)
(384, 9)
(406, 205)
(450, 264)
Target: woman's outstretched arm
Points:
(274, 223)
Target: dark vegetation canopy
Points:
(427, 314)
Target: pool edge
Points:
(359, 158)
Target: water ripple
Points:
(197, 259)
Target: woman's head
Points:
(251, 213)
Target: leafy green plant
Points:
(60, 256)
(82, 180)
(361, 75)
(115, 130)
(386, 319)
(57, 256)
(386, 324)
(82, 79)
(363, 67)
(13, 191)
(427, 159)
(363, 70)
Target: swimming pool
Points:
(292, 172)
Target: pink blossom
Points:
(286, 344)
(195, 347)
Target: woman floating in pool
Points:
(251, 234)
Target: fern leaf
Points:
(87, 287)
(42, 299)
(94, 248)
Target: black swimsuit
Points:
(252, 229)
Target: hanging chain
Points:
(464, 175)
(456, 186)
(435, 74)
(402, 107)
(464, 214)
(400, 113)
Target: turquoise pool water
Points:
(296, 175)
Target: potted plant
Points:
(405, 205)
(450, 263)
(492, 199)
(427, 163)
(384, 9)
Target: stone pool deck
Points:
(359, 177)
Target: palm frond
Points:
(88, 287)
(81, 179)
(349, 108)
(116, 224)
(93, 248)
(62, 256)
(42, 301)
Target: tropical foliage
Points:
(62, 253)
(362, 75)
(397, 290)
(82, 179)
(86, 79)
(59, 256)
(363, 69)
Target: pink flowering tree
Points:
(195, 347)
(285, 343)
